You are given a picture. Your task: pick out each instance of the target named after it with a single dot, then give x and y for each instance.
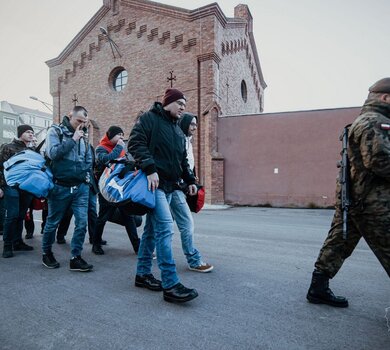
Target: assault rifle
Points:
(345, 180)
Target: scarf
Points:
(109, 146)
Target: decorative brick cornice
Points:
(209, 56)
(131, 28)
(178, 12)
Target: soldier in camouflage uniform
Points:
(369, 215)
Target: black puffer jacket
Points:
(166, 154)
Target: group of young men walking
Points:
(160, 147)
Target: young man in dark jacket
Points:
(71, 164)
(111, 147)
(16, 202)
(158, 147)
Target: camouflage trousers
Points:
(374, 228)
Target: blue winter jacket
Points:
(71, 161)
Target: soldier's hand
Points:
(1, 193)
(79, 133)
(192, 190)
(153, 181)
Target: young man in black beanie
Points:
(158, 147)
(16, 202)
(111, 147)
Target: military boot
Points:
(320, 293)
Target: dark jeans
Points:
(2, 213)
(106, 210)
(16, 203)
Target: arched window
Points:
(244, 91)
(119, 78)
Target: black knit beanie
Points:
(23, 128)
(113, 131)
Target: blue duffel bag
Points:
(121, 185)
(27, 170)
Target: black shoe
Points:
(61, 240)
(79, 264)
(29, 235)
(7, 251)
(148, 282)
(179, 294)
(49, 261)
(97, 249)
(320, 293)
(21, 246)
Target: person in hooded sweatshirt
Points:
(179, 207)
(111, 147)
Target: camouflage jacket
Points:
(6, 152)
(369, 155)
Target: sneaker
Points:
(49, 261)
(97, 249)
(203, 267)
(7, 251)
(79, 264)
(21, 246)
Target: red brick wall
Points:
(303, 146)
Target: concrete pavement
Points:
(254, 298)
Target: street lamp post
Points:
(46, 104)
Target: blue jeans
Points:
(60, 198)
(185, 222)
(158, 233)
(16, 203)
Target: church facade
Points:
(132, 50)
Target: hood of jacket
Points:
(185, 122)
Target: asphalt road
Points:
(254, 298)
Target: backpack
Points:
(28, 171)
(43, 142)
(122, 185)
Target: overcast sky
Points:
(313, 53)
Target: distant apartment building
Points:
(13, 115)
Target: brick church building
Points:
(132, 50)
